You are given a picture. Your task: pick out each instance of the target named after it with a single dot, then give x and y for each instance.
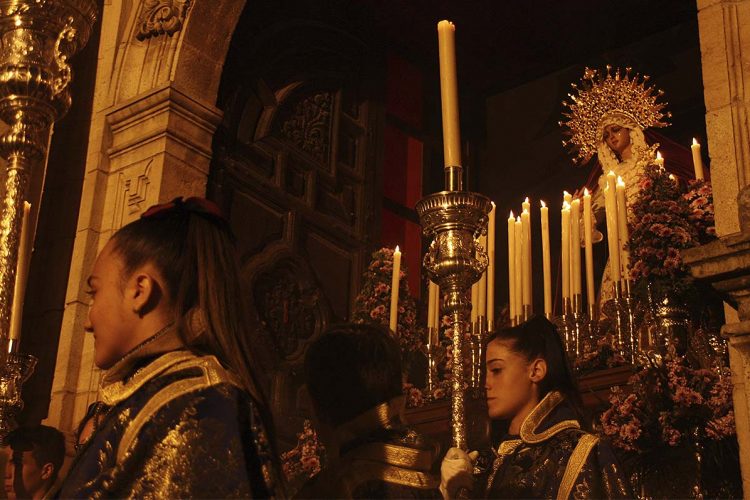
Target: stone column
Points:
(724, 27)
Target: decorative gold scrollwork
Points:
(65, 74)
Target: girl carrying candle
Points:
(544, 451)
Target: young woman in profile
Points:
(544, 452)
(181, 415)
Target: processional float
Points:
(37, 37)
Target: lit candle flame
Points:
(585, 191)
(695, 142)
(659, 156)
(511, 216)
(543, 204)
(397, 250)
(566, 205)
(620, 182)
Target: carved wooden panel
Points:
(294, 167)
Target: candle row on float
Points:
(483, 291)
(520, 288)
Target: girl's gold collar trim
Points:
(540, 412)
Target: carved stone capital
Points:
(161, 17)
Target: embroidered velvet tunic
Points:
(177, 425)
(553, 458)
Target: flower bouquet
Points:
(675, 430)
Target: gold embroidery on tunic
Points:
(171, 460)
(213, 374)
(505, 449)
(115, 392)
(537, 416)
(575, 464)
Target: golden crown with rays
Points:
(598, 97)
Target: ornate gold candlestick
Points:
(453, 220)
(13, 373)
(36, 39)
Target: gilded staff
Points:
(453, 219)
(37, 38)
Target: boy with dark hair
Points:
(38, 455)
(353, 374)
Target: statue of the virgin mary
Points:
(606, 116)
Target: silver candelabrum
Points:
(453, 220)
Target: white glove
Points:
(456, 471)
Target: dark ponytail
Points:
(538, 338)
(192, 246)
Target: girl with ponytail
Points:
(181, 412)
(544, 451)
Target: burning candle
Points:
(622, 227)
(588, 237)
(395, 280)
(575, 248)
(22, 268)
(519, 267)
(491, 269)
(512, 266)
(526, 257)
(546, 263)
(697, 159)
(565, 248)
(482, 288)
(610, 205)
(449, 93)
(659, 159)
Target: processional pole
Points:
(453, 220)
(36, 39)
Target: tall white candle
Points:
(395, 280)
(436, 320)
(546, 263)
(431, 302)
(22, 269)
(588, 237)
(482, 293)
(697, 159)
(449, 93)
(526, 243)
(575, 247)
(565, 250)
(526, 207)
(610, 205)
(474, 302)
(519, 267)
(512, 266)
(622, 228)
(491, 269)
